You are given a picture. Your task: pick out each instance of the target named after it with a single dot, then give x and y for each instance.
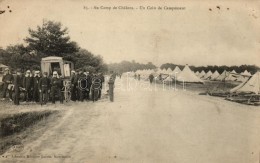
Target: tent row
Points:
(225, 75)
(168, 75)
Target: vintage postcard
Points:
(121, 81)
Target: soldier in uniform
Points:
(36, 93)
(7, 79)
(89, 82)
(44, 88)
(151, 77)
(102, 80)
(56, 87)
(17, 86)
(74, 84)
(95, 87)
(111, 83)
(28, 86)
(82, 85)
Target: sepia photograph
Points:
(120, 81)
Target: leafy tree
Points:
(50, 39)
(87, 61)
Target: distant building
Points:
(2, 68)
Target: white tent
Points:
(246, 73)
(164, 71)
(168, 79)
(233, 72)
(169, 71)
(222, 76)
(175, 72)
(207, 75)
(202, 73)
(231, 76)
(242, 78)
(214, 75)
(188, 76)
(3, 67)
(197, 73)
(252, 85)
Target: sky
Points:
(201, 34)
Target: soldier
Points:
(36, 92)
(95, 87)
(17, 86)
(151, 77)
(28, 86)
(102, 80)
(89, 82)
(82, 85)
(139, 77)
(7, 80)
(111, 83)
(44, 88)
(74, 84)
(56, 87)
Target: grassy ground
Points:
(208, 86)
(16, 127)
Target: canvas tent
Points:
(202, 73)
(222, 76)
(175, 72)
(169, 71)
(197, 73)
(231, 76)
(233, 72)
(2, 67)
(186, 75)
(214, 75)
(246, 73)
(252, 85)
(207, 75)
(168, 79)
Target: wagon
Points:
(63, 67)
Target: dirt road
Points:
(150, 125)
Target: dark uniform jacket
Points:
(44, 82)
(17, 81)
(56, 82)
(74, 80)
(27, 82)
(36, 80)
(8, 78)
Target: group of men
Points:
(83, 84)
(37, 87)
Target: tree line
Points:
(126, 66)
(50, 39)
(251, 68)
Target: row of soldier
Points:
(42, 88)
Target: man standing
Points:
(7, 79)
(111, 84)
(27, 84)
(17, 87)
(82, 85)
(102, 80)
(56, 87)
(89, 82)
(36, 80)
(151, 77)
(44, 88)
(95, 87)
(74, 84)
